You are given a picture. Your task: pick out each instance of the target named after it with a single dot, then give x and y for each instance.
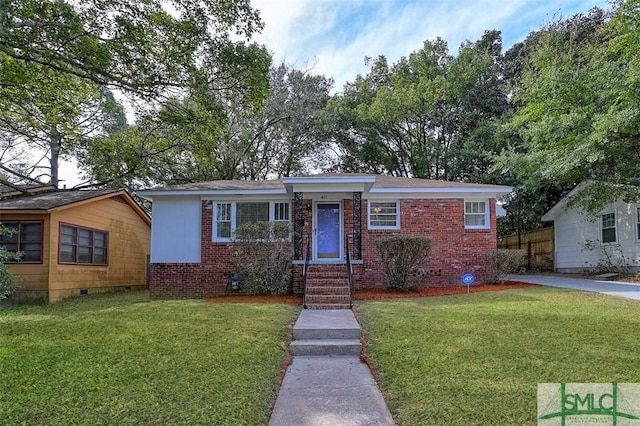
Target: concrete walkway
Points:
(331, 386)
(612, 288)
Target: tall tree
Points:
(192, 139)
(578, 115)
(430, 115)
(58, 56)
(47, 116)
(293, 142)
(140, 47)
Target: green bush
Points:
(262, 257)
(502, 262)
(8, 282)
(401, 257)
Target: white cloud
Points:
(336, 35)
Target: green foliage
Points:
(50, 115)
(176, 144)
(296, 141)
(262, 256)
(430, 115)
(137, 47)
(458, 360)
(55, 99)
(578, 116)
(401, 257)
(525, 208)
(502, 262)
(8, 282)
(219, 137)
(178, 362)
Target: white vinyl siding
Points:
(637, 223)
(384, 215)
(476, 215)
(575, 232)
(229, 215)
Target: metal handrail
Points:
(305, 268)
(349, 273)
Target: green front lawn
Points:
(123, 359)
(476, 359)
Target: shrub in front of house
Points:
(8, 281)
(402, 257)
(260, 254)
(502, 262)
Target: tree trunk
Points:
(55, 157)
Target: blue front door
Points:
(328, 233)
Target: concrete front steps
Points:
(326, 382)
(326, 332)
(327, 287)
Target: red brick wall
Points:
(454, 250)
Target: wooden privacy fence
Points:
(537, 244)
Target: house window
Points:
(476, 215)
(223, 221)
(230, 215)
(25, 237)
(281, 212)
(281, 218)
(609, 228)
(82, 245)
(384, 215)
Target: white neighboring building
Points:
(583, 242)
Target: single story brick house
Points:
(74, 241)
(193, 225)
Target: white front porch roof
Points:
(329, 183)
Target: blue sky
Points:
(333, 36)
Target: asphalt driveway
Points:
(612, 288)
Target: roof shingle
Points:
(51, 199)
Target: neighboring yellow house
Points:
(75, 242)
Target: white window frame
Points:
(370, 204)
(234, 209)
(486, 214)
(615, 228)
(273, 211)
(215, 219)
